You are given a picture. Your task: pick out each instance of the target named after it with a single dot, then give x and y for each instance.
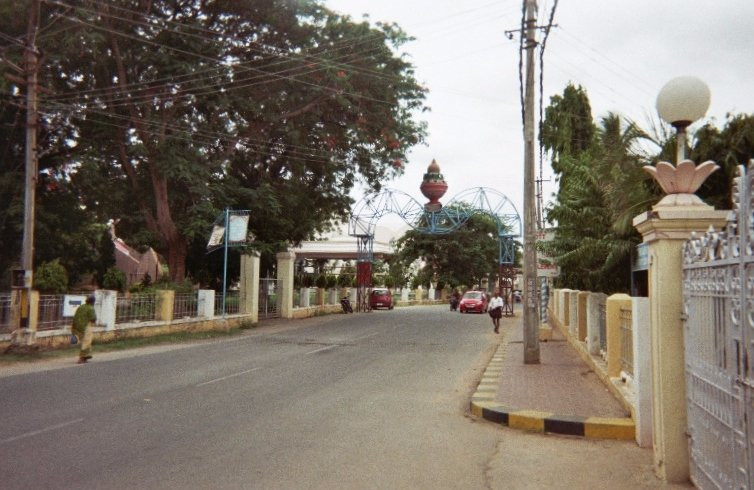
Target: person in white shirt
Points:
(496, 310)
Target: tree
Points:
(166, 112)
(51, 278)
(601, 188)
(464, 256)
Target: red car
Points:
(380, 298)
(473, 301)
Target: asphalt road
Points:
(373, 400)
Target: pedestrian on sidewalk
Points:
(83, 326)
(495, 309)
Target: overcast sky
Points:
(621, 52)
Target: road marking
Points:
(364, 337)
(40, 431)
(229, 376)
(322, 349)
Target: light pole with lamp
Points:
(665, 229)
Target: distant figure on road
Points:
(83, 323)
(496, 310)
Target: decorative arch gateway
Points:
(435, 219)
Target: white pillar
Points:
(285, 282)
(642, 370)
(573, 312)
(594, 304)
(404, 293)
(303, 301)
(105, 304)
(205, 303)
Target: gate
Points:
(269, 297)
(718, 285)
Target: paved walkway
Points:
(561, 394)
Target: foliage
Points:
(162, 113)
(307, 280)
(321, 281)
(332, 281)
(346, 276)
(51, 278)
(465, 256)
(114, 279)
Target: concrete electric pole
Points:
(531, 298)
(31, 67)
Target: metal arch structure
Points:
(478, 200)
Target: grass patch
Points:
(117, 345)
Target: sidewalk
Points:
(561, 394)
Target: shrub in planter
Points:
(114, 279)
(321, 281)
(51, 278)
(332, 281)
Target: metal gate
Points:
(718, 285)
(269, 297)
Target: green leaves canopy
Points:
(162, 113)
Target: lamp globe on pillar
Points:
(680, 102)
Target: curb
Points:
(484, 405)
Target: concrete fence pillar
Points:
(303, 297)
(614, 305)
(665, 229)
(332, 296)
(555, 297)
(642, 370)
(285, 267)
(594, 304)
(105, 307)
(418, 294)
(164, 307)
(249, 286)
(404, 294)
(573, 312)
(31, 338)
(205, 303)
(581, 315)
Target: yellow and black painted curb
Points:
(484, 405)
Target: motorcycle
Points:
(453, 304)
(346, 305)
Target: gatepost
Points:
(285, 283)
(665, 229)
(249, 285)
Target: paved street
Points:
(343, 401)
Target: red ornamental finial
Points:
(433, 187)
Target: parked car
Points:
(380, 298)
(473, 301)
(517, 296)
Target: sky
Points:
(621, 52)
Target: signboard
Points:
(238, 227)
(71, 303)
(546, 266)
(640, 260)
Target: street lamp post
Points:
(680, 102)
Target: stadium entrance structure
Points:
(436, 219)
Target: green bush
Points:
(332, 281)
(114, 279)
(345, 280)
(308, 281)
(389, 282)
(51, 278)
(321, 281)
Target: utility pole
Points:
(531, 298)
(31, 66)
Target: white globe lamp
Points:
(680, 102)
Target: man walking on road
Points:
(496, 310)
(83, 323)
